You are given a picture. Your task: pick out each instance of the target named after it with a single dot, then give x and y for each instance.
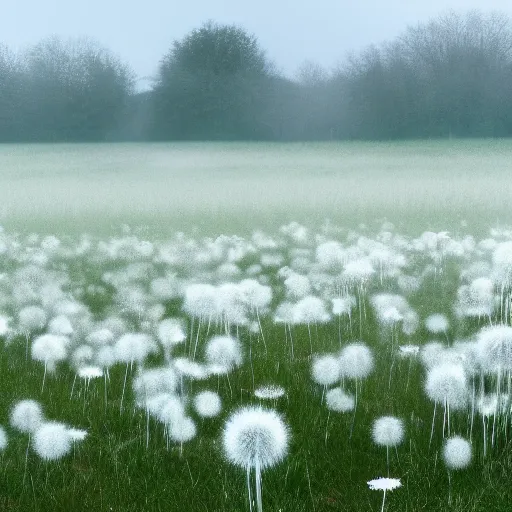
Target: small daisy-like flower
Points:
(384, 484)
(269, 392)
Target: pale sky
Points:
(141, 31)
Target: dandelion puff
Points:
(388, 431)
(457, 452)
(325, 370)
(356, 361)
(207, 404)
(182, 430)
(26, 416)
(254, 437)
(437, 323)
(224, 352)
(171, 332)
(52, 441)
(457, 455)
(447, 384)
(337, 400)
(49, 349)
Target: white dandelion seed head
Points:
(255, 436)
(224, 352)
(410, 322)
(106, 357)
(32, 319)
(52, 441)
(60, 325)
(207, 404)
(326, 370)
(82, 355)
(49, 349)
(437, 323)
(167, 408)
(297, 286)
(488, 405)
(310, 310)
(431, 354)
(255, 295)
(388, 431)
(182, 429)
(200, 301)
(447, 384)
(356, 361)
(154, 381)
(343, 305)
(100, 337)
(457, 453)
(192, 369)
(134, 347)
(171, 332)
(358, 271)
(26, 416)
(330, 256)
(339, 401)
(494, 348)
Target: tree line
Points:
(449, 77)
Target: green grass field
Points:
(208, 190)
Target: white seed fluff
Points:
(26, 416)
(356, 361)
(326, 370)
(457, 452)
(339, 401)
(52, 441)
(388, 431)
(254, 435)
(207, 404)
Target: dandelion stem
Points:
(124, 386)
(383, 501)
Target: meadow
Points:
(361, 291)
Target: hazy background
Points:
(141, 32)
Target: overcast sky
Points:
(141, 31)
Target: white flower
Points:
(384, 484)
(269, 392)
